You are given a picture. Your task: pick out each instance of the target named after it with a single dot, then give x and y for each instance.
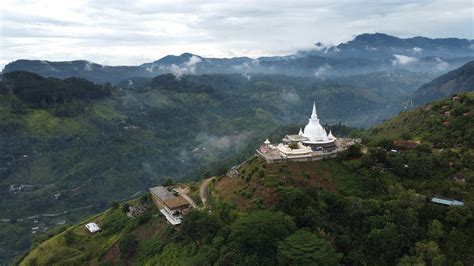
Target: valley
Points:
(71, 148)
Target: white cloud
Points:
(150, 68)
(122, 32)
(88, 66)
(188, 67)
(403, 59)
(441, 65)
(322, 70)
(221, 142)
(417, 50)
(192, 63)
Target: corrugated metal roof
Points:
(161, 192)
(92, 227)
(448, 202)
(171, 219)
(176, 202)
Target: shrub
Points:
(127, 245)
(114, 204)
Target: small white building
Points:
(92, 227)
(447, 202)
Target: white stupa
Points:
(314, 132)
(331, 136)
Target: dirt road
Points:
(183, 191)
(203, 190)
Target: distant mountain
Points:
(459, 80)
(383, 44)
(79, 68)
(365, 53)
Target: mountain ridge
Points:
(365, 53)
(456, 81)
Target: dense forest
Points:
(370, 206)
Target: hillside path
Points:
(203, 190)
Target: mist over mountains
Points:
(364, 54)
(70, 141)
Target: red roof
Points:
(408, 144)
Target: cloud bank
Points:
(403, 60)
(132, 32)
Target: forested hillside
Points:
(72, 145)
(370, 206)
(445, 123)
(456, 81)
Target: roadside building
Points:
(171, 206)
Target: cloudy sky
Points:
(119, 32)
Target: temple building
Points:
(312, 143)
(314, 135)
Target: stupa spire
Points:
(314, 115)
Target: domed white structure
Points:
(311, 144)
(314, 131)
(313, 135)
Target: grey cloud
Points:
(134, 32)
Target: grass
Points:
(42, 123)
(87, 248)
(106, 112)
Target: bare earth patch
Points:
(262, 185)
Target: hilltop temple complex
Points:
(311, 144)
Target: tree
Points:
(127, 245)
(425, 253)
(459, 215)
(384, 244)
(68, 237)
(125, 207)
(168, 182)
(355, 150)
(114, 204)
(293, 146)
(385, 143)
(397, 162)
(380, 155)
(435, 230)
(305, 248)
(199, 226)
(145, 199)
(260, 231)
(405, 198)
(424, 147)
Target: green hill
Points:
(444, 123)
(456, 81)
(68, 147)
(370, 206)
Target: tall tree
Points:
(305, 248)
